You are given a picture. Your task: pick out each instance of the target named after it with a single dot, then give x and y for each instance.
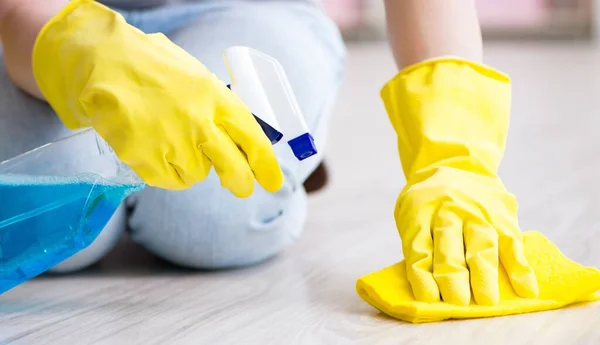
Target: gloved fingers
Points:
(481, 241)
(417, 245)
(166, 178)
(230, 164)
(248, 135)
(191, 173)
(449, 266)
(512, 256)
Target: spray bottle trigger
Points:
(271, 133)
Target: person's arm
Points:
(424, 29)
(20, 23)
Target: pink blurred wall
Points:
(511, 13)
(496, 13)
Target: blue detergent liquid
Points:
(45, 220)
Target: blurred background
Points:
(500, 19)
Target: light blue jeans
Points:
(206, 227)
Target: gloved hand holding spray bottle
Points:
(51, 211)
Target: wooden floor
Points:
(306, 295)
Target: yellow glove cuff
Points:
(449, 111)
(62, 53)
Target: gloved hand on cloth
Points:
(162, 111)
(464, 253)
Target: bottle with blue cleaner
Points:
(50, 210)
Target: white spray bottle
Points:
(261, 83)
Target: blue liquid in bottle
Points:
(45, 220)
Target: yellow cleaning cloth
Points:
(561, 282)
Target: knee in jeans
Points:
(304, 40)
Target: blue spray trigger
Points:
(271, 133)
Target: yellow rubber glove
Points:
(162, 111)
(455, 218)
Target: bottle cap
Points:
(303, 146)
